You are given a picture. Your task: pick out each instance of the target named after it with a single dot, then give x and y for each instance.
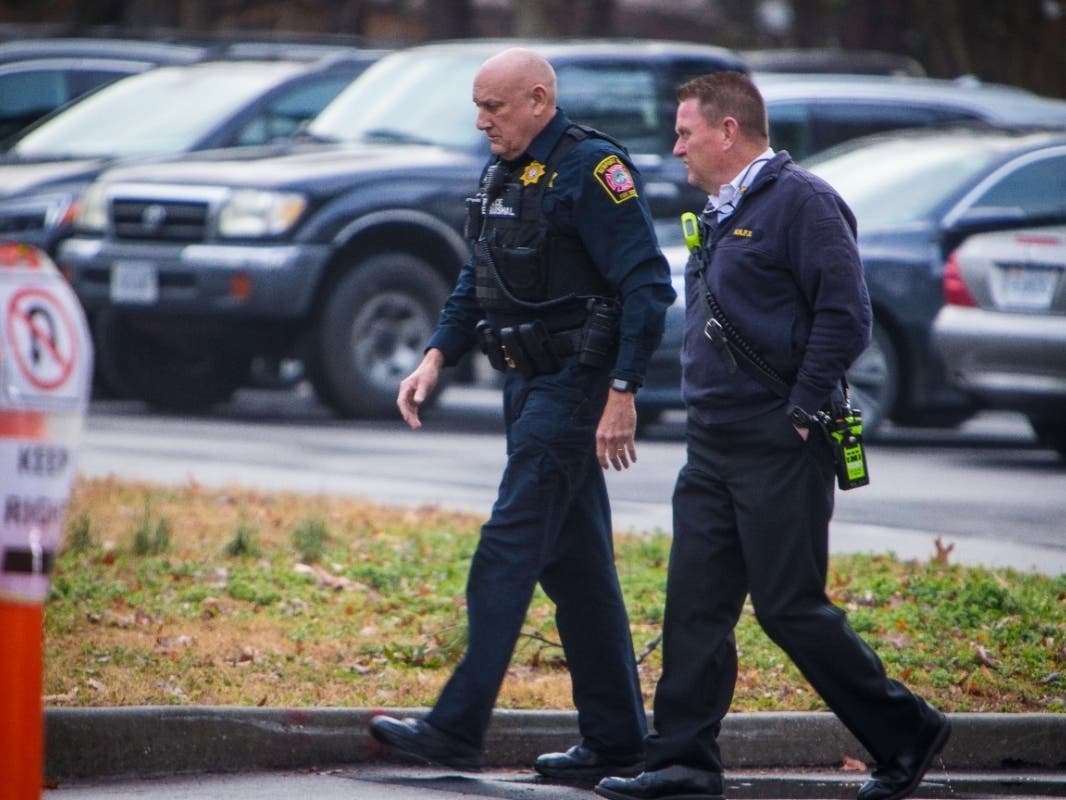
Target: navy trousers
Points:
(751, 515)
(551, 523)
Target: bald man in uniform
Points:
(566, 293)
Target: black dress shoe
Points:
(418, 738)
(673, 783)
(579, 763)
(901, 776)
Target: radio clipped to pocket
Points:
(849, 452)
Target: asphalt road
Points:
(984, 488)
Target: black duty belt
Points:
(566, 343)
(530, 348)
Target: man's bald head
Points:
(519, 67)
(514, 92)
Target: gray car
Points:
(1002, 331)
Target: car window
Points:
(83, 80)
(899, 181)
(618, 99)
(408, 97)
(1037, 188)
(286, 113)
(33, 89)
(27, 96)
(790, 128)
(425, 97)
(805, 128)
(165, 110)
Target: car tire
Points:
(374, 325)
(1050, 433)
(874, 381)
(170, 371)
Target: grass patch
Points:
(180, 594)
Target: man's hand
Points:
(618, 426)
(417, 386)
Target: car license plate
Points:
(1025, 288)
(134, 282)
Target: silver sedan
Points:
(1002, 332)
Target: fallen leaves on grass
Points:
(226, 612)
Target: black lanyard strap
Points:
(734, 348)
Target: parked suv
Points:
(40, 75)
(165, 112)
(339, 252)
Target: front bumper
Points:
(274, 281)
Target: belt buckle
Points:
(714, 331)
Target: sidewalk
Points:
(769, 754)
(393, 782)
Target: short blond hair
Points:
(729, 94)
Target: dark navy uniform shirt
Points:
(596, 195)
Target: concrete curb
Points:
(157, 740)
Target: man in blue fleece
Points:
(778, 268)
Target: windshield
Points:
(162, 111)
(408, 97)
(901, 181)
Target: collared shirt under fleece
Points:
(618, 236)
(785, 269)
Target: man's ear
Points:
(731, 131)
(540, 98)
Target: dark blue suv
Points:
(167, 111)
(339, 249)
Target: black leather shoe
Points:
(672, 783)
(579, 763)
(418, 738)
(902, 775)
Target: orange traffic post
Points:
(45, 365)
(21, 663)
(21, 720)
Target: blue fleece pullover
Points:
(786, 272)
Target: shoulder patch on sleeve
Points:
(615, 178)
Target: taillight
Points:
(956, 292)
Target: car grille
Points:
(172, 221)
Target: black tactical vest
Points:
(523, 266)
